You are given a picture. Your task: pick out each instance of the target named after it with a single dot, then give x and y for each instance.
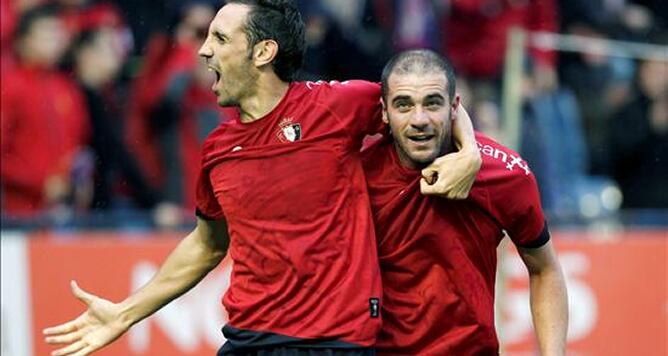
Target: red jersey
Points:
(438, 256)
(43, 124)
(293, 192)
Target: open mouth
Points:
(217, 72)
(420, 138)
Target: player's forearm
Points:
(191, 261)
(462, 130)
(549, 310)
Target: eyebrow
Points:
(400, 98)
(434, 96)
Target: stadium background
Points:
(587, 108)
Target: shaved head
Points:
(418, 61)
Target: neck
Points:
(270, 92)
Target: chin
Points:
(423, 159)
(225, 102)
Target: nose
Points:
(420, 118)
(205, 51)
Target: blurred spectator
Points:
(639, 139)
(411, 23)
(594, 13)
(10, 11)
(43, 118)
(82, 15)
(172, 108)
(98, 57)
(474, 38)
(88, 15)
(658, 8)
(475, 34)
(345, 40)
(601, 84)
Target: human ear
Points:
(265, 52)
(454, 106)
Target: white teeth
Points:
(420, 138)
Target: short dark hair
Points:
(418, 61)
(277, 20)
(33, 15)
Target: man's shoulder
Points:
(217, 135)
(505, 182)
(374, 149)
(499, 161)
(341, 90)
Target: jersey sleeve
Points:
(522, 214)
(206, 202)
(357, 104)
(513, 195)
(207, 206)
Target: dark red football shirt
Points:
(438, 256)
(293, 192)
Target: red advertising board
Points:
(112, 266)
(617, 294)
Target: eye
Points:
(433, 104)
(220, 38)
(402, 106)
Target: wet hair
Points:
(277, 20)
(418, 61)
(33, 15)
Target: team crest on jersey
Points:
(289, 131)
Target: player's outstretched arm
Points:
(103, 321)
(451, 176)
(549, 301)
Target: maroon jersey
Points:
(292, 190)
(438, 256)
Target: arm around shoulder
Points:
(452, 176)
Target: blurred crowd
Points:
(104, 104)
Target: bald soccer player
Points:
(438, 256)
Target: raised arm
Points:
(549, 302)
(451, 176)
(103, 321)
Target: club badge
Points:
(289, 131)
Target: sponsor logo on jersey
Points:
(289, 131)
(510, 159)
